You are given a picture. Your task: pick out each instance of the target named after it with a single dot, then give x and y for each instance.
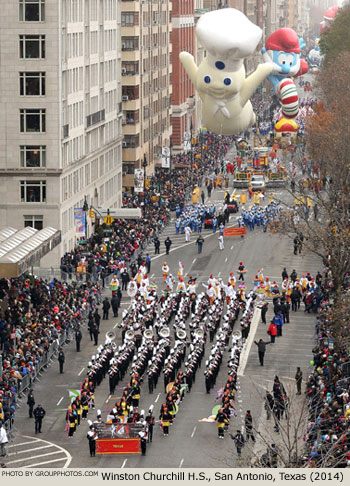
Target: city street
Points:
(190, 443)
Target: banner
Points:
(139, 177)
(165, 158)
(235, 231)
(118, 446)
(79, 221)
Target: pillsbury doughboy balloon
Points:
(282, 48)
(229, 37)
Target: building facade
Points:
(146, 83)
(183, 100)
(61, 124)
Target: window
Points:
(129, 19)
(32, 46)
(32, 84)
(33, 120)
(31, 10)
(34, 222)
(33, 191)
(33, 156)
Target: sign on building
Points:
(165, 158)
(79, 222)
(138, 180)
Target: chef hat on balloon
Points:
(228, 37)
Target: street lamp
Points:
(144, 165)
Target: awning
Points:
(25, 248)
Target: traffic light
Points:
(91, 213)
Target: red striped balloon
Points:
(288, 96)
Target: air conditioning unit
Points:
(123, 71)
(125, 98)
(125, 144)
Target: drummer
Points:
(241, 270)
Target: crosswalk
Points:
(28, 452)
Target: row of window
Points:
(34, 10)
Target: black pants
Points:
(92, 447)
(77, 346)
(299, 387)
(31, 411)
(294, 305)
(156, 251)
(61, 366)
(38, 424)
(105, 315)
(96, 338)
(143, 446)
(261, 357)
(150, 432)
(250, 435)
(241, 277)
(124, 286)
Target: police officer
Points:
(30, 403)
(39, 414)
(61, 359)
(78, 338)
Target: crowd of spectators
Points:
(34, 314)
(327, 390)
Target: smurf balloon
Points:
(228, 37)
(282, 48)
(328, 18)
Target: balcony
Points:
(130, 30)
(131, 56)
(131, 104)
(128, 180)
(131, 153)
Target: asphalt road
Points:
(190, 443)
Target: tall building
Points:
(146, 83)
(61, 123)
(183, 100)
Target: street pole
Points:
(170, 161)
(144, 164)
(191, 178)
(85, 209)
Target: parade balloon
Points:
(228, 37)
(312, 363)
(282, 48)
(328, 18)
